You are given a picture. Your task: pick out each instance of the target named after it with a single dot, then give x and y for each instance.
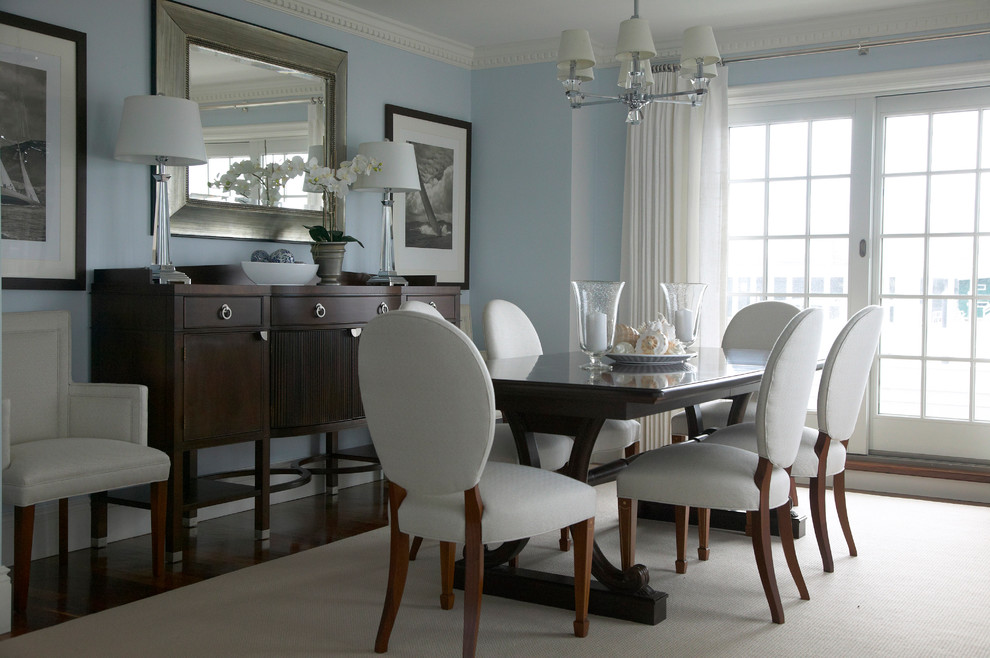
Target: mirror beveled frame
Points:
(176, 27)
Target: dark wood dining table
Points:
(553, 394)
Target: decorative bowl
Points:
(279, 274)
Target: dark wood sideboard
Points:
(226, 361)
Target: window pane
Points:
(905, 144)
(785, 266)
(830, 206)
(948, 327)
(831, 147)
(982, 349)
(834, 312)
(735, 302)
(900, 387)
(788, 150)
(947, 390)
(828, 265)
(954, 140)
(746, 208)
(953, 203)
(985, 195)
(982, 393)
(904, 204)
(900, 266)
(983, 268)
(745, 266)
(902, 323)
(747, 152)
(786, 210)
(950, 266)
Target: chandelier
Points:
(576, 61)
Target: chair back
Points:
(847, 369)
(508, 331)
(36, 374)
(783, 400)
(420, 307)
(428, 400)
(757, 326)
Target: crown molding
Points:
(932, 17)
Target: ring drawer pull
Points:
(225, 312)
(319, 310)
(434, 305)
(382, 308)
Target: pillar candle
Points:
(596, 332)
(684, 324)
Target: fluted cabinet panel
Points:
(311, 377)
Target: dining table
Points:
(552, 393)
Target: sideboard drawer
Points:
(318, 310)
(211, 312)
(446, 304)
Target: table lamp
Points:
(398, 174)
(160, 131)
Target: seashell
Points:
(625, 334)
(651, 342)
(623, 348)
(675, 347)
(259, 256)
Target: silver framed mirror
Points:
(265, 97)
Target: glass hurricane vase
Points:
(597, 309)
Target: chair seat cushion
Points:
(553, 449)
(806, 462)
(50, 469)
(700, 474)
(519, 502)
(617, 435)
(713, 414)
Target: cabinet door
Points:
(311, 377)
(225, 381)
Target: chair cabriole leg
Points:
(760, 522)
(398, 567)
(584, 536)
(816, 488)
(839, 492)
(787, 539)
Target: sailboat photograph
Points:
(23, 152)
(429, 214)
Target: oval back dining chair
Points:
(430, 408)
(822, 452)
(713, 476)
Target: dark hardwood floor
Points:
(90, 581)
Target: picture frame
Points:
(432, 229)
(43, 155)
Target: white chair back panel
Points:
(429, 402)
(36, 374)
(783, 398)
(847, 369)
(509, 332)
(756, 327)
(420, 307)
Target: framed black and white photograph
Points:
(432, 227)
(42, 155)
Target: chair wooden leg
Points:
(681, 513)
(447, 549)
(584, 537)
(398, 567)
(414, 551)
(816, 495)
(159, 499)
(565, 542)
(839, 493)
(23, 538)
(98, 520)
(787, 539)
(627, 532)
(760, 523)
(474, 562)
(704, 526)
(632, 450)
(63, 531)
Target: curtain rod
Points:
(861, 46)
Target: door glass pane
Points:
(950, 266)
(900, 387)
(747, 152)
(953, 203)
(745, 266)
(828, 265)
(830, 206)
(948, 327)
(788, 150)
(785, 266)
(831, 147)
(954, 140)
(787, 208)
(905, 144)
(902, 324)
(904, 204)
(746, 208)
(947, 389)
(982, 393)
(900, 273)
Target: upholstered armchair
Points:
(63, 439)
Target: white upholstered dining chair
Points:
(714, 476)
(430, 407)
(65, 439)
(822, 451)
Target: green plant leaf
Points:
(319, 234)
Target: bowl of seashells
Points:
(650, 343)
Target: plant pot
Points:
(329, 256)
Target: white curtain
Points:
(673, 211)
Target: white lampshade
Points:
(699, 43)
(635, 40)
(153, 127)
(399, 172)
(575, 46)
(625, 71)
(584, 75)
(690, 70)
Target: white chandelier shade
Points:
(635, 40)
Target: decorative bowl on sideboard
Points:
(279, 274)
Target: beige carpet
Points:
(920, 587)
